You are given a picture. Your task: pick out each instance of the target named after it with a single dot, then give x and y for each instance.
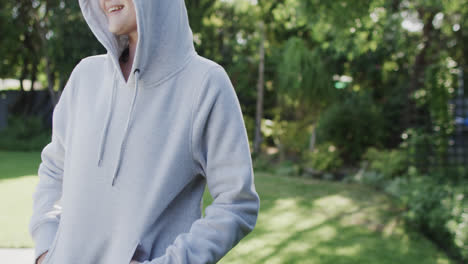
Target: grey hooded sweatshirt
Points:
(125, 171)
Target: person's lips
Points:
(115, 9)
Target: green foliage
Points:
(291, 137)
(309, 43)
(435, 206)
(263, 162)
(423, 151)
(389, 163)
(40, 36)
(303, 74)
(287, 168)
(250, 127)
(24, 134)
(371, 178)
(325, 158)
(352, 125)
(458, 225)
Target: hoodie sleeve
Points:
(221, 154)
(46, 209)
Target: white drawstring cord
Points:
(135, 92)
(106, 127)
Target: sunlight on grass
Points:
(16, 212)
(18, 179)
(348, 251)
(337, 201)
(328, 222)
(300, 221)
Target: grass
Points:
(300, 220)
(17, 181)
(307, 221)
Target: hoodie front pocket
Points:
(52, 247)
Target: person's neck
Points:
(126, 67)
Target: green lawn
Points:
(300, 221)
(17, 181)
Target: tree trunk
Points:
(419, 67)
(18, 107)
(62, 81)
(260, 86)
(51, 82)
(24, 72)
(28, 107)
(33, 75)
(282, 153)
(312, 140)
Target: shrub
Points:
(352, 125)
(372, 178)
(287, 168)
(263, 162)
(291, 137)
(458, 225)
(388, 163)
(435, 211)
(250, 128)
(419, 147)
(325, 158)
(24, 134)
(434, 206)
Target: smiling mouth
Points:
(115, 8)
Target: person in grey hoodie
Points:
(135, 142)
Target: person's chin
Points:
(116, 31)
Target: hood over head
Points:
(164, 47)
(165, 40)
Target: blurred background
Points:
(356, 112)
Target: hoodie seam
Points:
(194, 111)
(73, 111)
(171, 75)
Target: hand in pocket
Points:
(41, 257)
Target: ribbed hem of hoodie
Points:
(43, 237)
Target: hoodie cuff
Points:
(43, 237)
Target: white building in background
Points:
(10, 84)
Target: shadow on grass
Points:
(307, 221)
